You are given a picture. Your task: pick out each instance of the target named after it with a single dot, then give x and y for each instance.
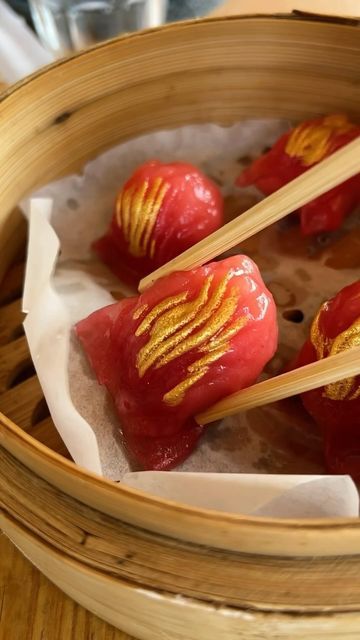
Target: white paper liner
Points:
(281, 496)
(263, 440)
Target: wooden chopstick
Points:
(334, 170)
(318, 374)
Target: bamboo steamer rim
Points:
(198, 525)
(296, 15)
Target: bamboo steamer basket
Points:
(155, 568)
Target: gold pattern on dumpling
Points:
(137, 208)
(319, 341)
(139, 311)
(311, 142)
(347, 389)
(178, 325)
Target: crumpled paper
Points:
(59, 291)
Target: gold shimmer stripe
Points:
(196, 371)
(147, 208)
(158, 310)
(126, 209)
(178, 325)
(139, 312)
(176, 395)
(137, 209)
(344, 389)
(153, 214)
(170, 322)
(171, 328)
(136, 217)
(317, 338)
(118, 209)
(311, 143)
(148, 356)
(207, 331)
(225, 335)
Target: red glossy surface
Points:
(339, 420)
(213, 334)
(162, 210)
(290, 157)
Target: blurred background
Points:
(64, 26)
(72, 24)
(177, 9)
(69, 25)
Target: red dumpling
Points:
(187, 341)
(293, 154)
(336, 407)
(162, 210)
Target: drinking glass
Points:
(67, 25)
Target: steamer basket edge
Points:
(61, 117)
(157, 613)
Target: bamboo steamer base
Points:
(157, 569)
(21, 397)
(151, 615)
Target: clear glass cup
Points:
(70, 25)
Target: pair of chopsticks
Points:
(329, 173)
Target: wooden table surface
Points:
(32, 608)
